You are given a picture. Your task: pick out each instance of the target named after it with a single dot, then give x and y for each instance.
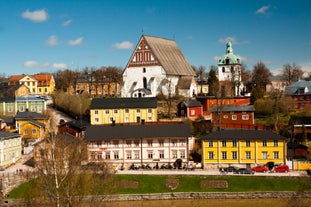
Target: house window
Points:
(107, 143)
(116, 155)
(210, 155)
(275, 143)
(128, 143)
(234, 117)
(137, 110)
(276, 155)
(39, 108)
(99, 156)
(136, 143)
(126, 111)
(224, 155)
(115, 111)
(34, 131)
(182, 143)
(234, 143)
(245, 117)
(116, 143)
(182, 154)
(161, 142)
(174, 143)
(96, 120)
(210, 143)
(192, 112)
(111, 119)
(136, 154)
(150, 154)
(21, 108)
(248, 155)
(225, 116)
(224, 143)
(264, 143)
(264, 155)
(248, 143)
(234, 155)
(107, 111)
(10, 109)
(149, 143)
(129, 155)
(26, 132)
(108, 155)
(33, 108)
(174, 153)
(149, 118)
(96, 112)
(149, 111)
(126, 119)
(161, 154)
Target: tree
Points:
(260, 75)
(292, 73)
(200, 72)
(213, 81)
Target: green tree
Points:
(213, 82)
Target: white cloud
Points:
(233, 40)
(35, 64)
(52, 41)
(67, 23)
(263, 10)
(75, 42)
(123, 45)
(59, 65)
(35, 16)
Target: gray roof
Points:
(7, 135)
(29, 115)
(243, 134)
(169, 55)
(191, 103)
(120, 103)
(233, 108)
(137, 131)
(293, 88)
(184, 82)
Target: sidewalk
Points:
(20, 165)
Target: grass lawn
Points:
(144, 184)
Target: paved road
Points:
(203, 172)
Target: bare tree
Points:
(292, 73)
(213, 81)
(260, 75)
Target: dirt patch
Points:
(214, 184)
(127, 184)
(172, 183)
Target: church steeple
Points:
(229, 48)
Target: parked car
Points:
(281, 168)
(260, 168)
(230, 169)
(244, 171)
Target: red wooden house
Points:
(191, 109)
(233, 116)
(76, 128)
(212, 101)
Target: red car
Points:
(281, 168)
(260, 169)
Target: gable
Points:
(143, 56)
(27, 78)
(160, 51)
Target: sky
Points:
(50, 35)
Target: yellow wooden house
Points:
(31, 126)
(123, 110)
(242, 148)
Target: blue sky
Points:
(45, 36)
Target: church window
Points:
(151, 58)
(145, 82)
(227, 61)
(223, 69)
(134, 59)
(144, 70)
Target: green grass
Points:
(156, 184)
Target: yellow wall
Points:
(25, 125)
(121, 115)
(256, 149)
